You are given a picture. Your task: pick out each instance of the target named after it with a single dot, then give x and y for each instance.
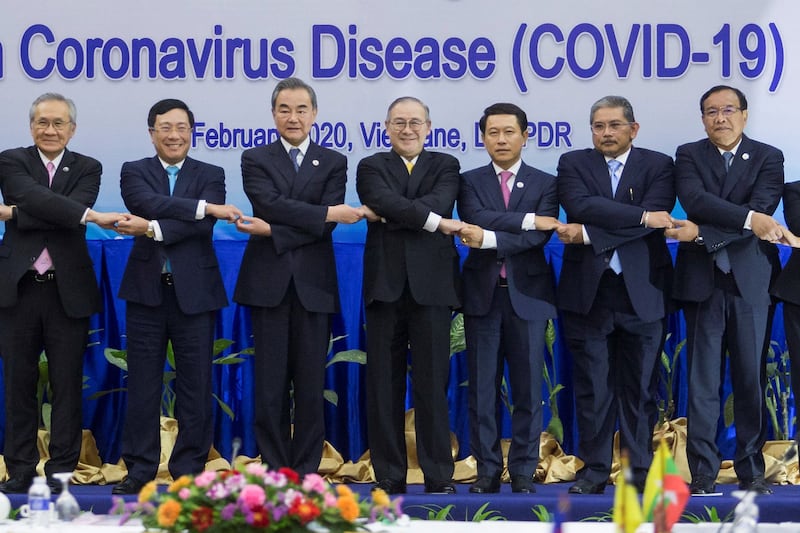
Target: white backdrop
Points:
(553, 59)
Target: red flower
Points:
(259, 517)
(202, 518)
(225, 474)
(305, 510)
(290, 474)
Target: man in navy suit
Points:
(729, 186)
(48, 288)
(288, 276)
(173, 288)
(509, 294)
(612, 290)
(410, 286)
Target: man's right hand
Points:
(253, 226)
(104, 220)
(570, 233)
(344, 214)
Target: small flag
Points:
(627, 512)
(665, 486)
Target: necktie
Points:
(504, 177)
(44, 261)
(172, 174)
(721, 257)
(409, 166)
(293, 153)
(614, 167)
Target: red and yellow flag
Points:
(664, 486)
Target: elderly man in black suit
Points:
(173, 288)
(288, 276)
(730, 186)
(613, 287)
(410, 285)
(48, 288)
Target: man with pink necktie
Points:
(48, 288)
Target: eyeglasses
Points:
(714, 112)
(58, 125)
(286, 113)
(165, 129)
(613, 127)
(400, 125)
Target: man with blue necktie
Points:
(173, 288)
(613, 287)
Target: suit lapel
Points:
(307, 169)
(738, 168)
(184, 178)
(599, 173)
(38, 170)
(490, 184)
(159, 174)
(522, 185)
(418, 173)
(63, 175)
(627, 181)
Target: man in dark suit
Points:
(48, 288)
(173, 288)
(612, 288)
(509, 294)
(729, 186)
(410, 284)
(288, 276)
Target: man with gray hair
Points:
(288, 276)
(48, 288)
(612, 290)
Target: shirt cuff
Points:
(432, 224)
(529, 222)
(157, 235)
(83, 218)
(749, 220)
(200, 214)
(489, 240)
(586, 239)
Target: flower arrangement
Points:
(254, 499)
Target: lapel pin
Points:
(520, 184)
(315, 162)
(745, 156)
(65, 169)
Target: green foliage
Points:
(602, 516)
(666, 378)
(435, 512)
(712, 515)
(542, 514)
(554, 427)
(444, 513)
(458, 342)
(119, 358)
(779, 390)
(483, 514)
(346, 356)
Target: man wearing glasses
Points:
(729, 186)
(612, 290)
(410, 276)
(173, 288)
(48, 289)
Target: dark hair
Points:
(294, 83)
(165, 106)
(718, 88)
(503, 108)
(612, 101)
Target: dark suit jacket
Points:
(719, 205)
(400, 251)
(300, 248)
(530, 280)
(187, 241)
(787, 287)
(584, 189)
(49, 218)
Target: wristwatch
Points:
(699, 239)
(151, 232)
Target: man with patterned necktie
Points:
(173, 288)
(729, 186)
(48, 288)
(613, 289)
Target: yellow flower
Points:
(168, 513)
(348, 507)
(178, 484)
(380, 498)
(147, 492)
(343, 490)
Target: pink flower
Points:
(256, 469)
(314, 483)
(252, 496)
(205, 479)
(184, 493)
(329, 499)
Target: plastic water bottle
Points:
(39, 502)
